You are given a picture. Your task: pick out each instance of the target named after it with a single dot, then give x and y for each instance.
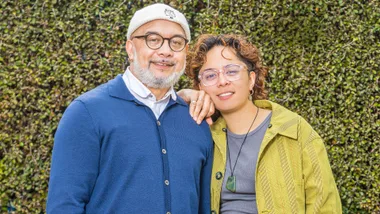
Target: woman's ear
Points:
(252, 79)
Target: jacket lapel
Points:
(219, 137)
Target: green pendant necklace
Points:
(231, 180)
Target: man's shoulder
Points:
(97, 94)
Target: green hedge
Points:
(324, 57)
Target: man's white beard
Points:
(150, 80)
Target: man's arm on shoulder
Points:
(75, 161)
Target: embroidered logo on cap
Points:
(170, 13)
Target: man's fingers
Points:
(201, 96)
(209, 121)
(193, 101)
(192, 107)
(198, 109)
(212, 109)
(201, 107)
(198, 104)
(205, 108)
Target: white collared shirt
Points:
(144, 95)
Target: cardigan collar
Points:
(118, 89)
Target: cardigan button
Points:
(270, 126)
(158, 123)
(218, 175)
(224, 129)
(213, 212)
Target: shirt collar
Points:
(141, 90)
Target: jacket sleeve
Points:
(320, 189)
(205, 194)
(75, 161)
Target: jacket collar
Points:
(283, 121)
(118, 89)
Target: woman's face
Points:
(228, 96)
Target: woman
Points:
(267, 159)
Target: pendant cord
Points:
(228, 148)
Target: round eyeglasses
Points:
(231, 72)
(155, 41)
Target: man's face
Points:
(159, 68)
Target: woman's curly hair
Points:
(245, 51)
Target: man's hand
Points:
(201, 105)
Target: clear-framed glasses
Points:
(231, 72)
(155, 41)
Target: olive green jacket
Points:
(293, 173)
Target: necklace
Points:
(231, 180)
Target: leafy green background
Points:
(324, 59)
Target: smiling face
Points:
(159, 68)
(228, 96)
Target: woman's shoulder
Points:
(284, 118)
(279, 112)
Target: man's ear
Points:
(187, 48)
(129, 49)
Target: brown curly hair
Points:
(245, 51)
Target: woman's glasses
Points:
(231, 72)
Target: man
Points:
(129, 146)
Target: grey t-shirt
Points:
(244, 199)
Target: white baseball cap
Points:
(155, 12)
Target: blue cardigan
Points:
(111, 155)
